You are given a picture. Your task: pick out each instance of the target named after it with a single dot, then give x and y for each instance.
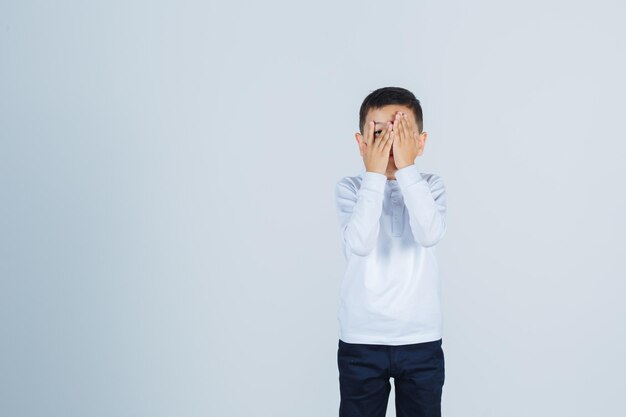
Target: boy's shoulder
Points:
(351, 181)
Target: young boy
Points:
(391, 218)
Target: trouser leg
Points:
(363, 379)
(419, 374)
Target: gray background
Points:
(168, 238)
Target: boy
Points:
(391, 218)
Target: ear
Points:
(423, 136)
(360, 142)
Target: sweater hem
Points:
(377, 340)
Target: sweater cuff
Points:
(374, 181)
(408, 175)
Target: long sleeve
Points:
(359, 212)
(426, 203)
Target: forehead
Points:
(386, 113)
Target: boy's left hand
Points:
(407, 143)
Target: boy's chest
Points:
(394, 215)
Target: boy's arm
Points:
(426, 204)
(359, 212)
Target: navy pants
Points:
(417, 370)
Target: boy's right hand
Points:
(375, 150)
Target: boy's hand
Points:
(407, 144)
(375, 150)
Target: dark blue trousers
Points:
(417, 370)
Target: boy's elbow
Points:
(359, 248)
(433, 238)
(428, 243)
(358, 243)
(362, 251)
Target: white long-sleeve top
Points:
(391, 293)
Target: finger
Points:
(392, 137)
(401, 128)
(378, 134)
(387, 135)
(381, 134)
(369, 133)
(388, 143)
(379, 140)
(409, 127)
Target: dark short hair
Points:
(391, 95)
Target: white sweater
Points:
(391, 293)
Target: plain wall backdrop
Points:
(169, 244)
